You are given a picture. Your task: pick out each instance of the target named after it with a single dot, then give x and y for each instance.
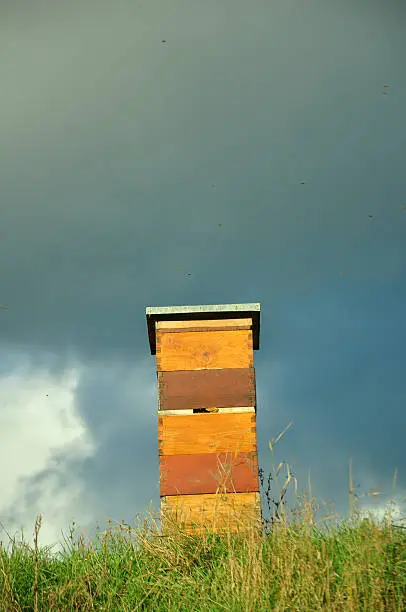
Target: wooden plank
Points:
(204, 350)
(203, 325)
(178, 390)
(206, 433)
(209, 473)
(228, 512)
(195, 412)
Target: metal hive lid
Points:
(201, 312)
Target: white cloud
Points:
(394, 511)
(38, 419)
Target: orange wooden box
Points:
(207, 433)
(228, 512)
(208, 473)
(204, 350)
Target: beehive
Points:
(207, 414)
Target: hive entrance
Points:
(204, 410)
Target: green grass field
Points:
(296, 562)
(296, 567)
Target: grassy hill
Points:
(295, 563)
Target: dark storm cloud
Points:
(343, 387)
(113, 144)
(238, 161)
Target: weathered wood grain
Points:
(206, 433)
(204, 350)
(229, 512)
(208, 473)
(179, 390)
(205, 325)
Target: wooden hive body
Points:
(207, 414)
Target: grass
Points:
(298, 562)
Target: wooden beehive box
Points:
(207, 414)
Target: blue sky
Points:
(257, 155)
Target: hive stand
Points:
(207, 414)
